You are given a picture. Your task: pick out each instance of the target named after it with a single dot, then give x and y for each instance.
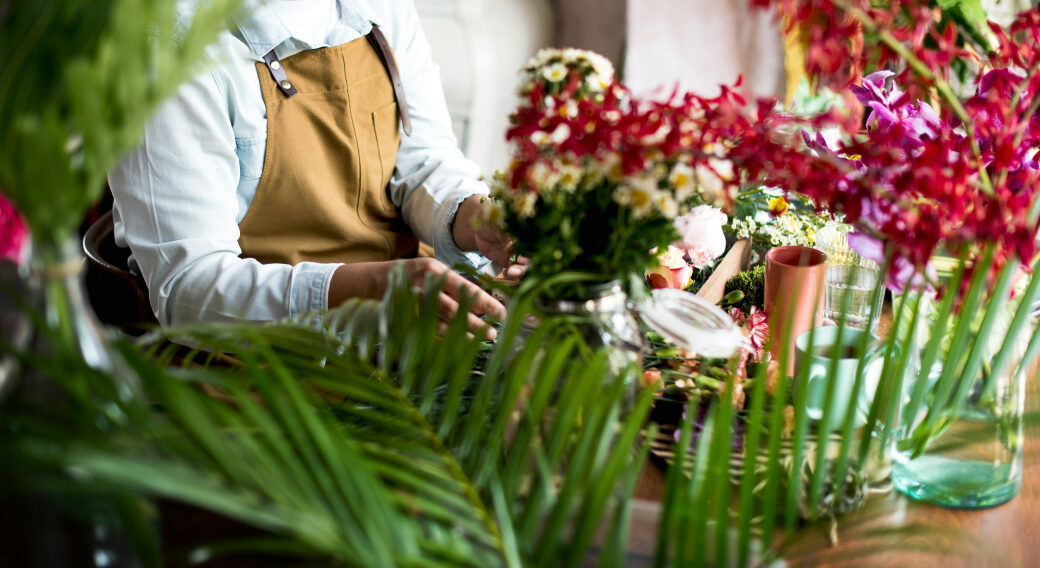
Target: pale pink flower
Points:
(672, 272)
(700, 234)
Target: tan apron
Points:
(332, 139)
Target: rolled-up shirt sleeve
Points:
(176, 208)
(432, 176)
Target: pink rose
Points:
(700, 234)
(672, 272)
(13, 233)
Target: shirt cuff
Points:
(309, 287)
(444, 243)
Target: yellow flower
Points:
(778, 206)
(809, 232)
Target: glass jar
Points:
(603, 319)
(958, 440)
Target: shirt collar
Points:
(257, 24)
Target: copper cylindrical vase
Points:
(795, 281)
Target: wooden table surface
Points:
(913, 534)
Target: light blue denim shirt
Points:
(181, 194)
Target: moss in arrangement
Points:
(752, 283)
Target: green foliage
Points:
(80, 80)
(587, 231)
(752, 283)
(431, 451)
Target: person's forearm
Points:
(357, 280)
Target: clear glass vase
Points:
(604, 319)
(958, 440)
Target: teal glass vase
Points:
(958, 441)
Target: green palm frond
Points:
(392, 449)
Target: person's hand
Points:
(370, 280)
(471, 231)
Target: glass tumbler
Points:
(852, 281)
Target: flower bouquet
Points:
(588, 187)
(601, 181)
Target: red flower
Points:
(14, 234)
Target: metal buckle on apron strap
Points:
(278, 72)
(378, 42)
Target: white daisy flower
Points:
(609, 165)
(570, 174)
(540, 137)
(668, 206)
(524, 204)
(560, 134)
(543, 176)
(639, 195)
(597, 83)
(681, 180)
(555, 73)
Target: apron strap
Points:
(382, 48)
(278, 73)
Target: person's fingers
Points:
(494, 244)
(516, 271)
(449, 309)
(483, 303)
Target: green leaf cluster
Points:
(80, 80)
(587, 231)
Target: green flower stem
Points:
(53, 269)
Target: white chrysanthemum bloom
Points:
(639, 195)
(555, 73)
(666, 204)
(523, 204)
(597, 83)
(542, 57)
(600, 65)
(570, 174)
(543, 176)
(711, 181)
(540, 137)
(609, 165)
(657, 136)
(493, 213)
(569, 109)
(724, 168)
(681, 180)
(572, 54)
(560, 134)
